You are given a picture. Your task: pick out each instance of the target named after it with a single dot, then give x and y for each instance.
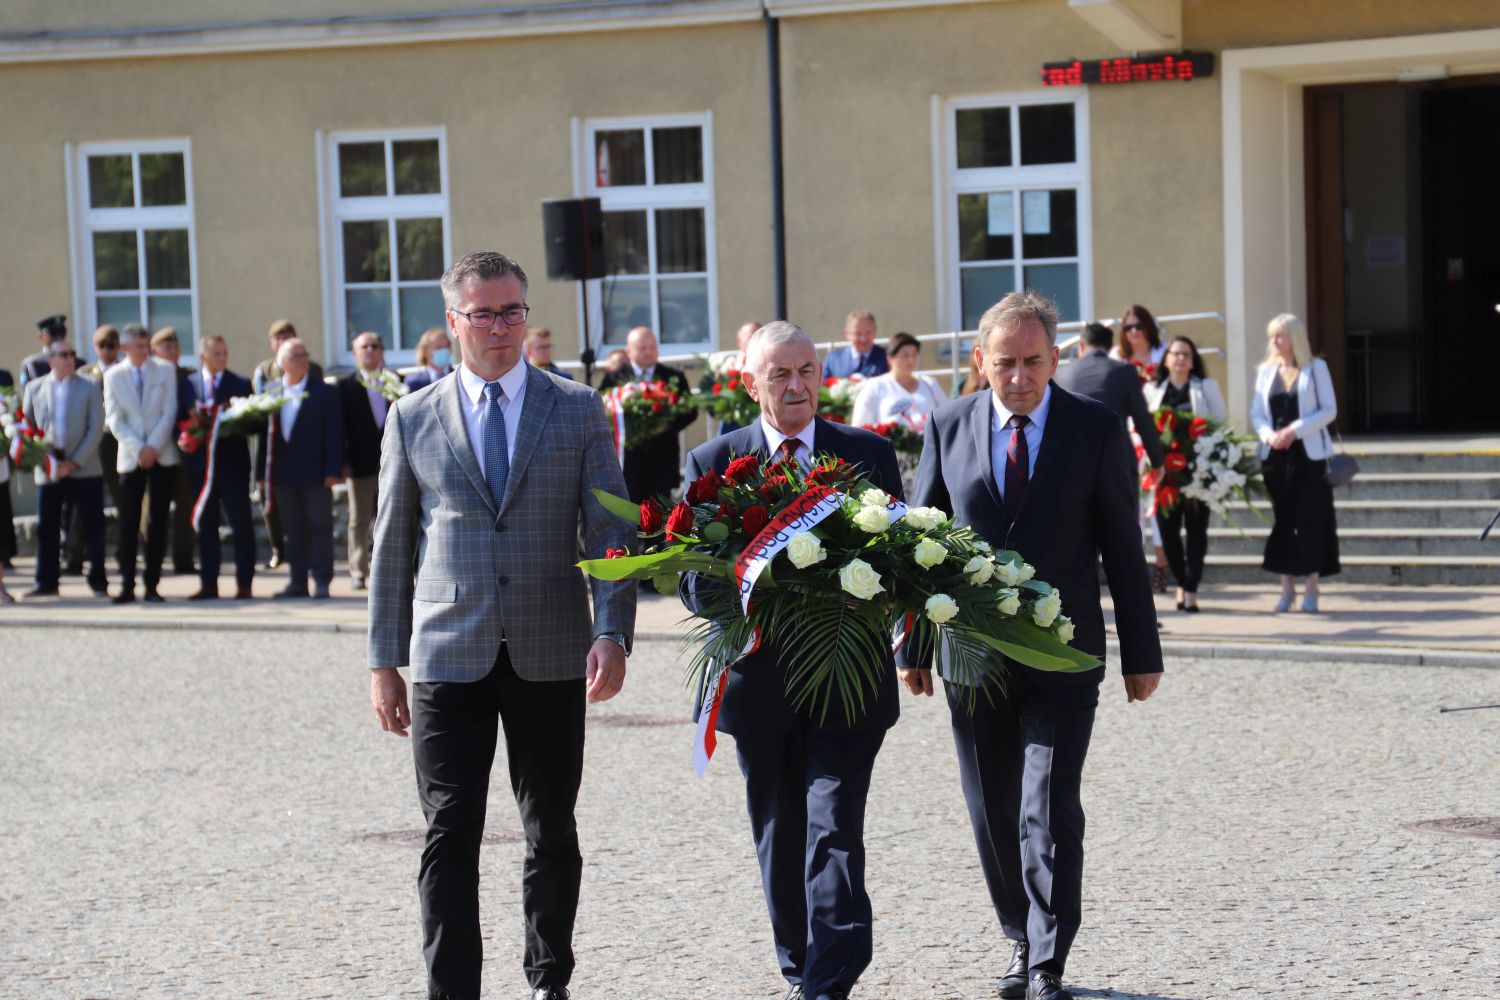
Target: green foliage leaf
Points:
(619, 506)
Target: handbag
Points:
(1341, 467)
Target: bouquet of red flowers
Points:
(1145, 370)
(25, 445)
(193, 432)
(723, 395)
(834, 565)
(1205, 463)
(905, 436)
(836, 397)
(640, 411)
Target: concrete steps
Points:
(1412, 517)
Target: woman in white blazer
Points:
(1182, 383)
(1291, 410)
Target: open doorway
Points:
(1404, 251)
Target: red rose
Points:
(673, 398)
(1198, 428)
(1175, 446)
(650, 516)
(1166, 420)
(830, 382)
(615, 553)
(1176, 462)
(1166, 497)
(718, 388)
(734, 383)
(680, 521)
(771, 486)
(725, 514)
(741, 469)
(754, 519)
(704, 488)
(656, 407)
(659, 384)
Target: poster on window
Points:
(1036, 213)
(1002, 218)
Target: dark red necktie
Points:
(788, 450)
(1017, 466)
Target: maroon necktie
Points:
(788, 450)
(1017, 466)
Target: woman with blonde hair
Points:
(1291, 409)
(435, 355)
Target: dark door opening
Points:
(1404, 252)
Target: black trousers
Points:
(76, 533)
(184, 539)
(454, 733)
(805, 789)
(307, 516)
(234, 500)
(1304, 532)
(1020, 760)
(87, 497)
(157, 482)
(7, 522)
(1187, 567)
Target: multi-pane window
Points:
(1017, 203)
(137, 229)
(653, 178)
(390, 233)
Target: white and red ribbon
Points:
(210, 447)
(18, 449)
(614, 406)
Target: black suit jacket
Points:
(5, 378)
(757, 684)
(232, 453)
(1080, 505)
(316, 449)
(1117, 385)
(361, 434)
(653, 467)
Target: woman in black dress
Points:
(1291, 410)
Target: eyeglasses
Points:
(483, 319)
(1132, 326)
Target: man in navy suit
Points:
(861, 355)
(805, 781)
(301, 457)
(230, 491)
(1038, 470)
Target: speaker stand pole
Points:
(587, 354)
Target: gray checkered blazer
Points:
(451, 576)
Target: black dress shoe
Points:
(550, 993)
(205, 594)
(42, 592)
(289, 594)
(125, 596)
(152, 597)
(1013, 983)
(242, 594)
(1046, 986)
(834, 993)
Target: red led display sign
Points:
(1128, 69)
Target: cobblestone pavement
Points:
(217, 815)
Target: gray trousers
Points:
(307, 524)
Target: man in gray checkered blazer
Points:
(485, 479)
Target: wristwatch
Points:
(616, 637)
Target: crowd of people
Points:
(113, 426)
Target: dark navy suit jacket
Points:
(757, 684)
(232, 453)
(1080, 506)
(316, 449)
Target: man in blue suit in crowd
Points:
(230, 491)
(861, 355)
(806, 780)
(301, 458)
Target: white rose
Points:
(1027, 571)
(1012, 573)
(980, 570)
(1046, 609)
(941, 608)
(805, 549)
(924, 518)
(1010, 601)
(874, 497)
(859, 578)
(929, 553)
(871, 519)
(1064, 629)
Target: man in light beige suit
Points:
(140, 410)
(70, 409)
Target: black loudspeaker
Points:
(575, 238)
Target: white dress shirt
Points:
(288, 415)
(1000, 435)
(642, 374)
(207, 383)
(513, 383)
(59, 408)
(804, 439)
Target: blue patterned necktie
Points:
(496, 463)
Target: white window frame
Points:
(952, 182)
(86, 220)
(652, 197)
(336, 210)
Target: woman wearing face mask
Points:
(1291, 410)
(1182, 383)
(435, 355)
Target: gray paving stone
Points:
(206, 814)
